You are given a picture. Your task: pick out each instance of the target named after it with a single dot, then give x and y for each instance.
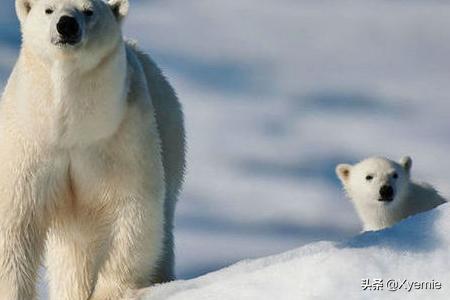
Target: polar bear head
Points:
(376, 181)
(70, 29)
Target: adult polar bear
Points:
(92, 157)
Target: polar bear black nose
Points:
(386, 192)
(68, 28)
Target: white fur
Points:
(409, 197)
(92, 159)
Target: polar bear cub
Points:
(91, 157)
(383, 193)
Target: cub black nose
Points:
(386, 192)
(68, 28)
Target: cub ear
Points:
(406, 163)
(119, 8)
(343, 172)
(23, 8)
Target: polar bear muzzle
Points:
(69, 30)
(386, 193)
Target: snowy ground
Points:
(410, 260)
(276, 93)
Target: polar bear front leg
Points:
(22, 232)
(21, 244)
(75, 252)
(135, 250)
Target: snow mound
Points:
(415, 250)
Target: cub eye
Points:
(395, 175)
(48, 11)
(88, 12)
(369, 177)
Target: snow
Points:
(416, 250)
(276, 93)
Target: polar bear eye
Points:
(369, 177)
(48, 11)
(395, 175)
(88, 12)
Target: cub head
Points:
(376, 181)
(55, 29)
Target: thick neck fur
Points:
(379, 216)
(77, 106)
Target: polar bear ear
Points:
(119, 8)
(406, 163)
(23, 8)
(343, 172)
